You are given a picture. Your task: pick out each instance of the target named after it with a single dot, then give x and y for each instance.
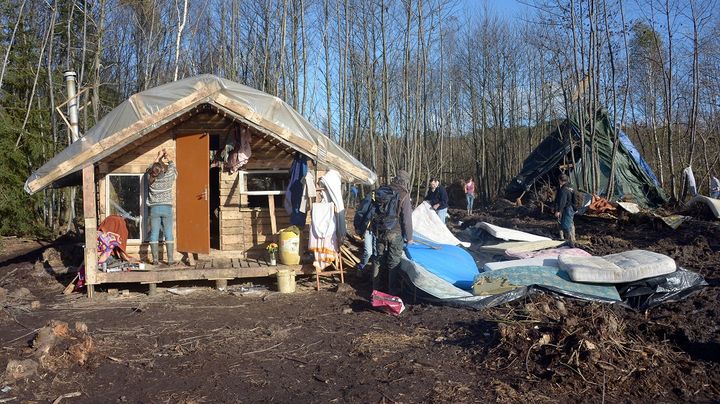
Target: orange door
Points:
(193, 207)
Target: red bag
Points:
(387, 303)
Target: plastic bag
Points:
(387, 303)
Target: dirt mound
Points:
(594, 345)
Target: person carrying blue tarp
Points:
(438, 199)
(565, 210)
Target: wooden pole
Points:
(271, 208)
(90, 215)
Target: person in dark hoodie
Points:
(565, 210)
(438, 199)
(390, 243)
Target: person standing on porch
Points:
(161, 178)
(438, 199)
(470, 194)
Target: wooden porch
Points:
(204, 269)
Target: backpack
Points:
(378, 211)
(364, 214)
(576, 199)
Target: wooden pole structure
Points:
(90, 215)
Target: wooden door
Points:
(193, 207)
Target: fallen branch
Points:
(263, 350)
(67, 395)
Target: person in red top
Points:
(470, 194)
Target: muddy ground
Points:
(253, 345)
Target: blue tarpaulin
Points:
(451, 263)
(635, 154)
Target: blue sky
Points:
(505, 8)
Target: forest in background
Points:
(423, 85)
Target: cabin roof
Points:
(149, 110)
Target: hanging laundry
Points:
(309, 190)
(235, 153)
(332, 184)
(323, 237)
(294, 194)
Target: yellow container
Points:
(286, 281)
(289, 246)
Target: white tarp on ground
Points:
(627, 266)
(630, 207)
(427, 224)
(712, 203)
(508, 234)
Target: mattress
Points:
(623, 267)
(451, 263)
(511, 247)
(508, 234)
(539, 261)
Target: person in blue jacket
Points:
(438, 199)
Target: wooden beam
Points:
(191, 274)
(271, 209)
(90, 216)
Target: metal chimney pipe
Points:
(70, 76)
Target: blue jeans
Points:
(470, 199)
(369, 249)
(161, 215)
(443, 214)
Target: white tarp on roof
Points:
(427, 224)
(150, 109)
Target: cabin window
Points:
(258, 184)
(125, 194)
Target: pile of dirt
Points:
(591, 346)
(54, 348)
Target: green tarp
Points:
(631, 179)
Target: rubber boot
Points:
(154, 253)
(573, 241)
(170, 252)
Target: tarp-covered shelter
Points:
(633, 177)
(234, 214)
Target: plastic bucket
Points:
(289, 246)
(286, 281)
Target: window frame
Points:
(143, 207)
(242, 174)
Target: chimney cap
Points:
(70, 73)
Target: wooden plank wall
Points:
(244, 229)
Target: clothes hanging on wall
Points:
(332, 192)
(295, 192)
(323, 236)
(309, 190)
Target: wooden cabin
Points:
(222, 219)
